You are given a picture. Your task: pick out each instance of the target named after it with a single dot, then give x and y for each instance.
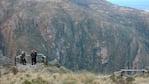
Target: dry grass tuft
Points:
(14, 70)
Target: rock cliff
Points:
(81, 34)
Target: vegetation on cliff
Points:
(92, 35)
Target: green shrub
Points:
(21, 78)
(120, 81)
(27, 82)
(113, 77)
(28, 75)
(129, 80)
(39, 80)
(117, 79)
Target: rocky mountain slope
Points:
(81, 34)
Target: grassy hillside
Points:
(41, 74)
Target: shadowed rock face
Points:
(81, 34)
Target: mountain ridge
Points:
(92, 34)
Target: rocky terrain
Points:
(92, 35)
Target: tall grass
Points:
(31, 76)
